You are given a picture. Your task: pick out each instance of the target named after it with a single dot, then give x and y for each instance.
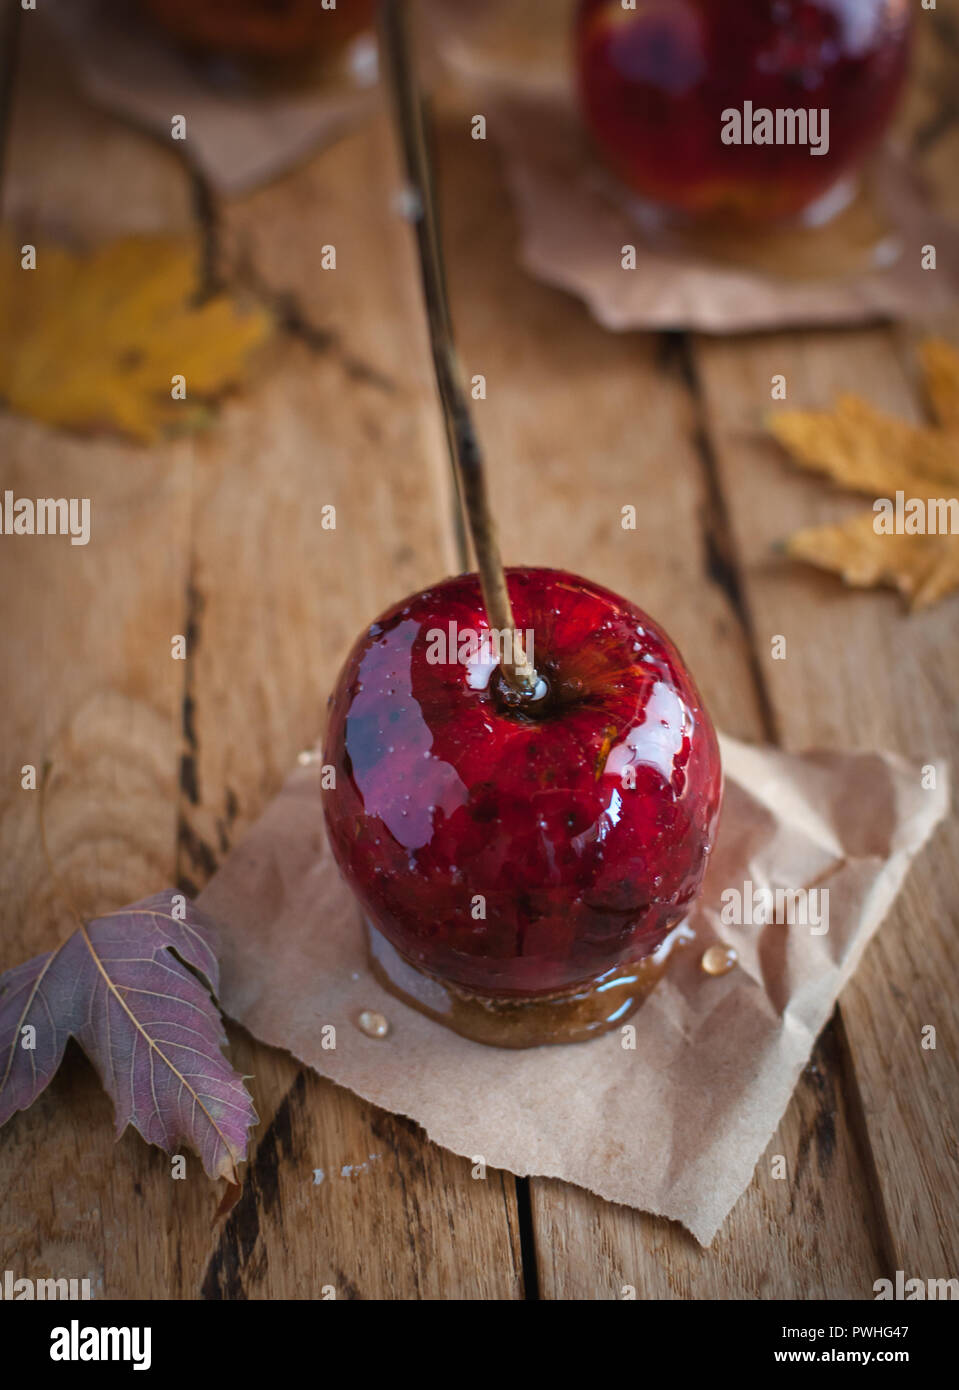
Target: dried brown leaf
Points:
(94, 341)
(940, 367)
(922, 568)
(865, 450)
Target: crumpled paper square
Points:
(674, 1125)
(575, 219)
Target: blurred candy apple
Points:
(701, 106)
(263, 28)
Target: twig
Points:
(461, 437)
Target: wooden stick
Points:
(465, 452)
(9, 43)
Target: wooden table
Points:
(160, 765)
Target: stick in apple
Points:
(461, 437)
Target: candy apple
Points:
(263, 28)
(515, 848)
(682, 97)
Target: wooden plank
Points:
(218, 539)
(578, 423)
(88, 684)
(345, 1197)
(860, 672)
(347, 418)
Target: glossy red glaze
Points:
(654, 84)
(445, 792)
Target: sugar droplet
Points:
(718, 960)
(374, 1025)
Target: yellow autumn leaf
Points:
(909, 541)
(94, 341)
(940, 366)
(922, 568)
(866, 450)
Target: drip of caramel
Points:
(571, 1016)
(857, 237)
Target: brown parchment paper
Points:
(575, 220)
(238, 133)
(674, 1126)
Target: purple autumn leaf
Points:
(146, 1022)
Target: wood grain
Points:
(159, 764)
(89, 684)
(860, 672)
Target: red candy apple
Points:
(510, 847)
(657, 84)
(263, 28)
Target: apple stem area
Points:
(465, 452)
